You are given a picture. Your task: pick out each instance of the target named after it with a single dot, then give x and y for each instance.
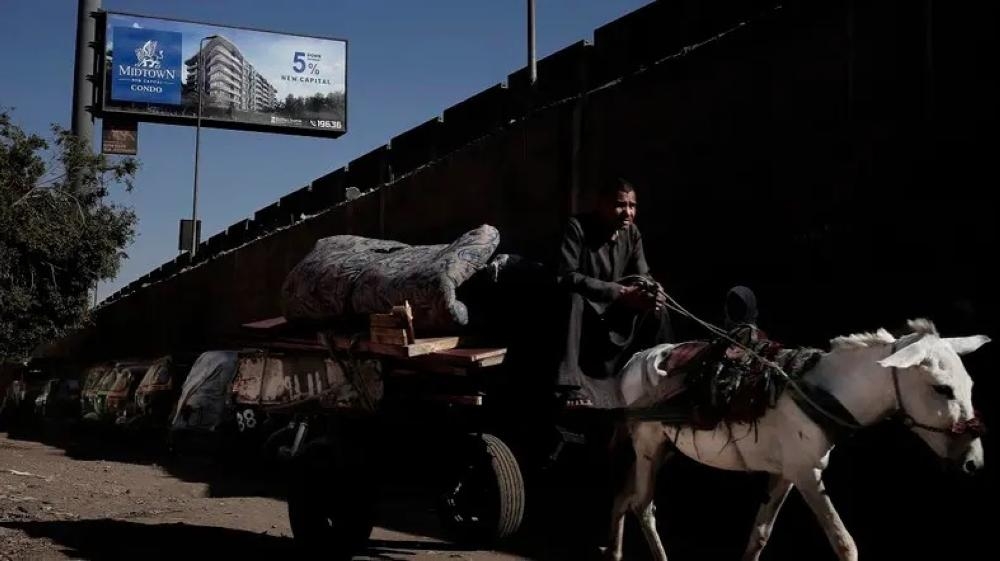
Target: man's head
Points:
(617, 203)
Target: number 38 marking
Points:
(246, 420)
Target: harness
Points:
(825, 409)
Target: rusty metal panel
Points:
(292, 378)
(284, 379)
(249, 378)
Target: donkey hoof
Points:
(607, 554)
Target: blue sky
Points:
(407, 62)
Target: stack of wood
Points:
(394, 328)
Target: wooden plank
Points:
(466, 355)
(270, 323)
(388, 336)
(432, 345)
(401, 317)
(406, 313)
(386, 320)
(465, 358)
(489, 361)
(468, 400)
(418, 348)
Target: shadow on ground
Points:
(232, 476)
(113, 540)
(895, 503)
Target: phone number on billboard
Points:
(327, 124)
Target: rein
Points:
(804, 394)
(974, 426)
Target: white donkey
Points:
(918, 378)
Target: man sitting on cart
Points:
(615, 308)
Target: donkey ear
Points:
(965, 345)
(908, 356)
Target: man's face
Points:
(620, 210)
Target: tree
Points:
(58, 235)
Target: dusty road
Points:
(65, 502)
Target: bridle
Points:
(973, 427)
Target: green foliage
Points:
(316, 105)
(58, 234)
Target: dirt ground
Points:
(66, 500)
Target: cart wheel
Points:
(484, 500)
(328, 509)
(274, 451)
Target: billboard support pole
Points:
(197, 143)
(83, 88)
(533, 70)
(82, 125)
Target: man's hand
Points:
(635, 298)
(661, 297)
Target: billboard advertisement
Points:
(249, 79)
(119, 136)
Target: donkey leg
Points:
(648, 520)
(812, 490)
(618, 512)
(651, 452)
(777, 490)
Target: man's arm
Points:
(637, 262)
(569, 263)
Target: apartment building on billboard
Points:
(230, 79)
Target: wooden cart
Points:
(417, 408)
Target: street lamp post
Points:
(200, 85)
(532, 69)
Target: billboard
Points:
(249, 79)
(119, 136)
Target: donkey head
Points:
(934, 392)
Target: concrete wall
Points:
(513, 156)
(787, 148)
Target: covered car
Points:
(204, 405)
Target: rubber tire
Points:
(490, 464)
(330, 513)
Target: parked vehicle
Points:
(117, 396)
(93, 378)
(204, 407)
(59, 399)
(17, 401)
(158, 391)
